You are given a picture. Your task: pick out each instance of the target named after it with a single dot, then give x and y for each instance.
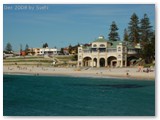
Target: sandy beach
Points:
(80, 72)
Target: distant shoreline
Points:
(117, 73)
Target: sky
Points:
(60, 25)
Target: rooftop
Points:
(100, 39)
(113, 44)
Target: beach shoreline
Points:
(117, 73)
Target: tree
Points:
(70, 49)
(62, 51)
(134, 29)
(8, 47)
(125, 36)
(148, 49)
(153, 45)
(45, 45)
(145, 29)
(26, 48)
(76, 47)
(113, 35)
(147, 39)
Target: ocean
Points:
(26, 95)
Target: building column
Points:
(98, 63)
(125, 61)
(121, 63)
(111, 64)
(106, 63)
(92, 62)
(118, 63)
(78, 64)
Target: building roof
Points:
(100, 39)
(114, 44)
(86, 47)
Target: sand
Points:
(81, 72)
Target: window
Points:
(123, 49)
(102, 45)
(80, 50)
(119, 49)
(119, 56)
(94, 45)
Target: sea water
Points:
(25, 95)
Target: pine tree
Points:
(134, 29)
(45, 45)
(70, 49)
(148, 49)
(147, 40)
(125, 37)
(153, 45)
(62, 51)
(26, 48)
(113, 35)
(8, 47)
(145, 29)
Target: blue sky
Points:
(63, 24)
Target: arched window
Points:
(94, 45)
(119, 48)
(119, 56)
(102, 45)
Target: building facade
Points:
(33, 51)
(48, 51)
(104, 53)
(43, 51)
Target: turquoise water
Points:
(70, 96)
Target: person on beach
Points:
(147, 70)
(140, 68)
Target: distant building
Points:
(22, 53)
(5, 55)
(103, 53)
(73, 51)
(66, 51)
(49, 51)
(33, 51)
(43, 51)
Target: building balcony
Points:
(132, 52)
(111, 51)
(86, 51)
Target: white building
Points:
(48, 51)
(103, 53)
